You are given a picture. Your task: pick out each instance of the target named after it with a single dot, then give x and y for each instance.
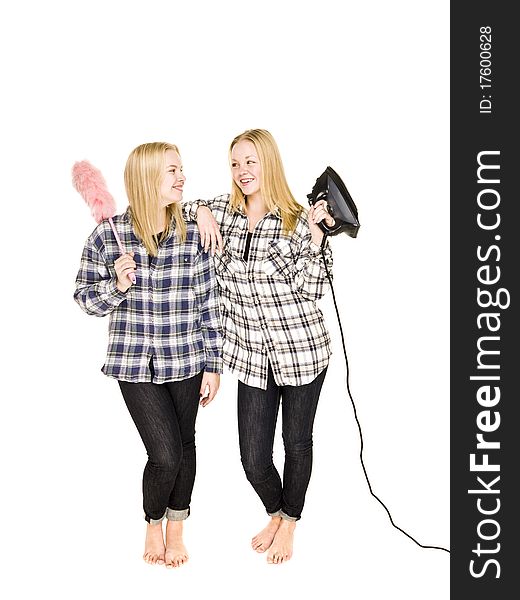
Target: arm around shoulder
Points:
(217, 206)
(210, 217)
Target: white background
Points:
(362, 86)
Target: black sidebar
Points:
(485, 255)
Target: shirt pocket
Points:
(182, 267)
(230, 271)
(279, 261)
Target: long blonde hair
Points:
(273, 185)
(144, 172)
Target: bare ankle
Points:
(174, 528)
(288, 525)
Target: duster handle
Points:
(131, 276)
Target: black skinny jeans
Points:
(164, 415)
(257, 415)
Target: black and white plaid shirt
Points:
(171, 314)
(268, 307)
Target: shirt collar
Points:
(127, 216)
(275, 212)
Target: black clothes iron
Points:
(330, 187)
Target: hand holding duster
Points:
(90, 183)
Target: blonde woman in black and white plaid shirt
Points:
(270, 272)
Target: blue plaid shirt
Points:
(170, 316)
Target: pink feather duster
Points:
(91, 185)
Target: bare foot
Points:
(176, 554)
(154, 545)
(262, 541)
(282, 547)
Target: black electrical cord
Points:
(356, 417)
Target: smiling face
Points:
(246, 168)
(173, 178)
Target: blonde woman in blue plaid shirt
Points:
(271, 272)
(164, 333)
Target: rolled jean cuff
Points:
(177, 515)
(280, 513)
(154, 521)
